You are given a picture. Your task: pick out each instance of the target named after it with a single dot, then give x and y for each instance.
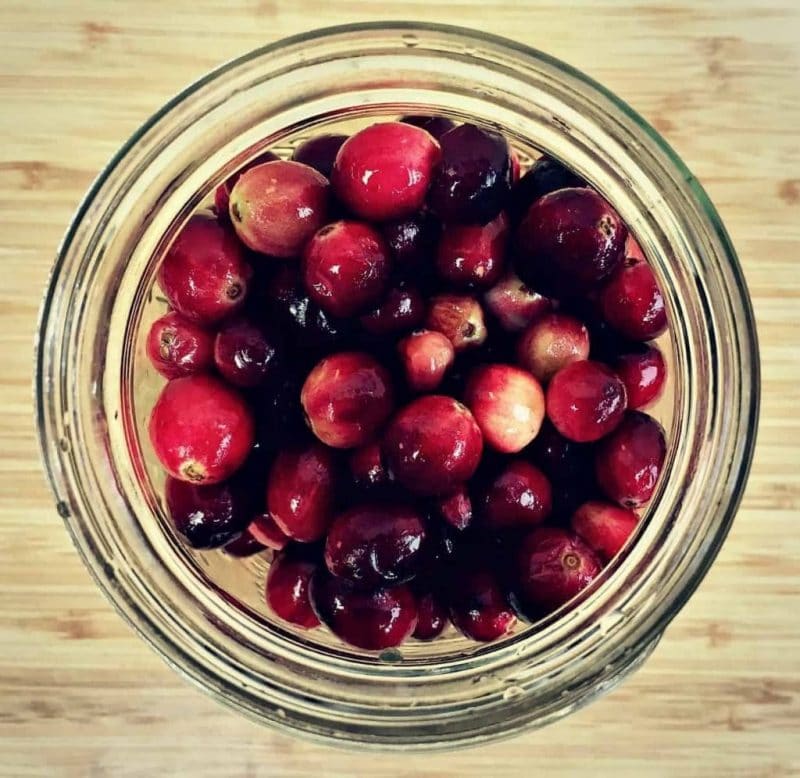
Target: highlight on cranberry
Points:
(409, 368)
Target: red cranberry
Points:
(472, 255)
(346, 268)
(585, 401)
(604, 527)
(383, 171)
(245, 355)
(633, 251)
(267, 532)
(372, 620)
(426, 356)
(276, 207)
(643, 372)
(206, 516)
(204, 274)
(412, 241)
(456, 509)
(553, 566)
(632, 303)
(347, 399)
(433, 445)
(569, 241)
(401, 310)
(459, 318)
(366, 466)
(435, 126)
(431, 617)
(200, 429)
(508, 405)
(300, 491)
(178, 347)
(544, 177)
(514, 304)
(222, 194)
(473, 178)
(478, 607)
(629, 461)
(243, 546)
(319, 152)
(287, 588)
(519, 497)
(552, 342)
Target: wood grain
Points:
(81, 696)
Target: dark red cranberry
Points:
(643, 371)
(245, 354)
(366, 466)
(276, 207)
(347, 399)
(372, 620)
(319, 152)
(514, 304)
(204, 274)
(473, 178)
(473, 255)
(433, 125)
(300, 491)
(433, 445)
(478, 607)
(346, 268)
(544, 177)
(563, 461)
(456, 509)
(267, 532)
(383, 171)
(629, 461)
(553, 566)
(459, 318)
(375, 544)
(206, 516)
(201, 429)
(604, 527)
(552, 342)
(585, 401)
(243, 546)
(508, 404)
(431, 617)
(569, 242)
(426, 356)
(278, 412)
(401, 310)
(632, 303)
(519, 497)
(287, 590)
(412, 241)
(222, 193)
(178, 347)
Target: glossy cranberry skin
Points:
(267, 532)
(433, 445)
(514, 304)
(459, 318)
(604, 527)
(204, 275)
(206, 516)
(366, 466)
(300, 491)
(201, 430)
(347, 399)
(372, 620)
(569, 242)
(473, 255)
(245, 354)
(545, 176)
(179, 347)
(551, 343)
(412, 241)
(456, 509)
(435, 126)
(401, 310)
(346, 268)
(632, 303)
(478, 607)
(473, 178)
(643, 371)
(431, 617)
(426, 356)
(319, 152)
(508, 404)
(276, 207)
(243, 546)
(383, 171)
(287, 590)
(585, 401)
(222, 194)
(519, 497)
(628, 462)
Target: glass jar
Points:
(204, 613)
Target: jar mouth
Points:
(88, 415)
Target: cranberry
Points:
(204, 274)
(426, 356)
(300, 491)
(643, 371)
(569, 241)
(319, 152)
(222, 194)
(514, 304)
(633, 251)
(585, 401)
(629, 461)
(383, 171)
(287, 589)
(412, 241)
(435, 126)
(200, 429)
(267, 532)
(604, 527)
(433, 445)
(516, 167)
(278, 412)
(632, 303)
(519, 497)
(276, 207)
(478, 607)
(245, 354)
(473, 178)
(459, 318)
(347, 398)
(508, 405)
(372, 620)
(456, 509)
(346, 268)
(552, 342)
(243, 546)
(207, 516)
(553, 566)
(366, 466)
(544, 177)
(563, 461)
(431, 617)
(178, 347)
(472, 255)
(401, 310)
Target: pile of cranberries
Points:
(414, 376)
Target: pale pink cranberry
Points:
(632, 303)
(552, 342)
(178, 347)
(643, 372)
(456, 509)
(473, 255)
(459, 318)
(520, 496)
(605, 527)
(515, 304)
(426, 356)
(287, 589)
